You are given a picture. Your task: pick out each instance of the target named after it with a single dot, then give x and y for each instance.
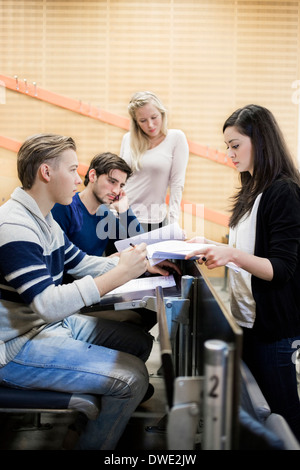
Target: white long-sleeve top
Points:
(162, 167)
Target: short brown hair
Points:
(104, 163)
(36, 150)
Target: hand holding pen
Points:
(135, 260)
(133, 246)
(163, 268)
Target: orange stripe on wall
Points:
(32, 90)
(216, 217)
(77, 106)
(210, 154)
(9, 144)
(13, 145)
(82, 169)
(197, 210)
(190, 207)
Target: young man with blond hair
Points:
(45, 343)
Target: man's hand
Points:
(121, 203)
(134, 260)
(159, 268)
(132, 264)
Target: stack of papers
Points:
(167, 242)
(168, 232)
(145, 283)
(177, 249)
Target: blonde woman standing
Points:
(158, 157)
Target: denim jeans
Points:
(273, 366)
(84, 354)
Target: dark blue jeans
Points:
(273, 366)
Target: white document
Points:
(168, 232)
(177, 249)
(145, 283)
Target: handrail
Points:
(71, 104)
(9, 144)
(187, 206)
(14, 145)
(95, 112)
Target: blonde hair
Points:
(139, 141)
(38, 149)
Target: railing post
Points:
(214, 397)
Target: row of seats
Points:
(41, 401)
(261, 429)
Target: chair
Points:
(182, 393)
(259, 425)
(46, 401)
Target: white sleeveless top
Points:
(242, 303)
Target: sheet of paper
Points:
(177, 249)
(174, 247)
(168, 232)
(145, 283)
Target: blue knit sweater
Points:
(91, 232)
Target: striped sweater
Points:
(34, 255)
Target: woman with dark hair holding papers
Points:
(264, 242)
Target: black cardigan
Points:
(278, 239)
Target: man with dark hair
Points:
(91, 224)
(90, 221)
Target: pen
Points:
(133, 246)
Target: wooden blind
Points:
(203, 58)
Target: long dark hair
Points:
(272, 159)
